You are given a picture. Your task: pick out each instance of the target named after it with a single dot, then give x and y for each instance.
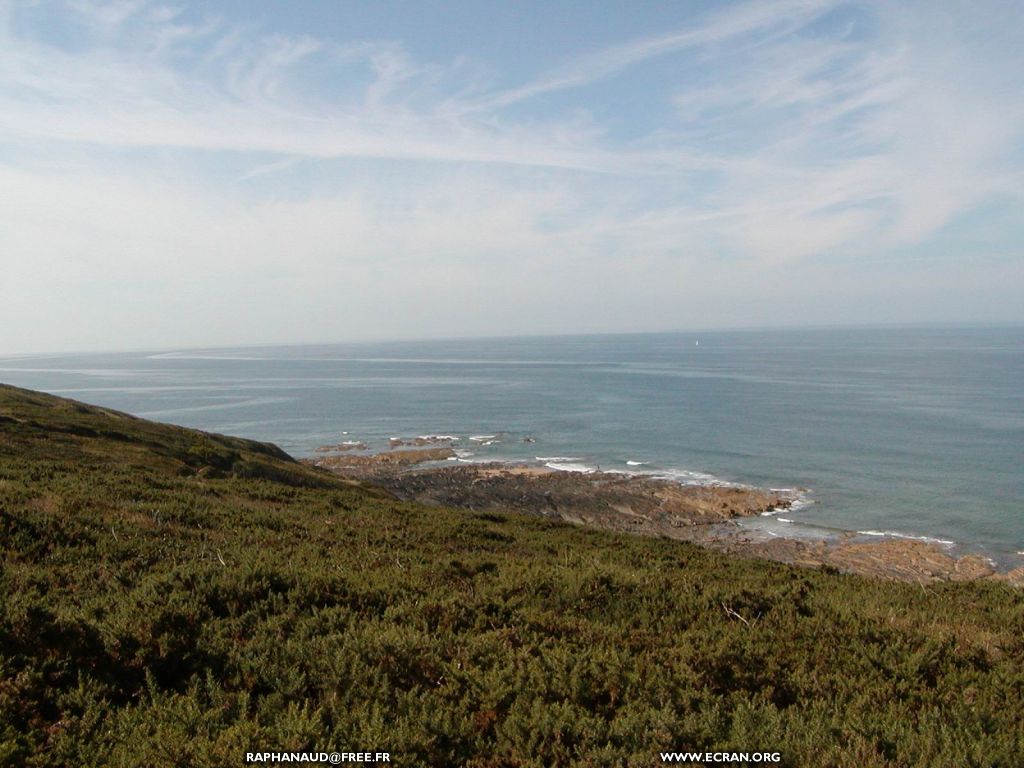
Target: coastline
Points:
(876, 461)
(727, 517)
(157, 570)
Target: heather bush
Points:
(172, 598)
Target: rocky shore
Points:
(703, 514)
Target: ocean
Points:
(915, 432)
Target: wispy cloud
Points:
(758, 18)
(149, 145)
(122, 94)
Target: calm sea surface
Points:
(912, 432)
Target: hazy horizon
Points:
(695, 332)
(192, 175)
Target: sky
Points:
(249, 172)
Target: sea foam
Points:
(908, 537)
(570, 467)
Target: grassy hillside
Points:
(175, 598)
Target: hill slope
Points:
(175, 598)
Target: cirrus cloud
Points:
(223, 184)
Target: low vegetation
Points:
(174, 598)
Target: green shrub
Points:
(153, 616)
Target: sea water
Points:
(892, 432)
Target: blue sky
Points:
(263, 172)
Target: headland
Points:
(708, 514)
